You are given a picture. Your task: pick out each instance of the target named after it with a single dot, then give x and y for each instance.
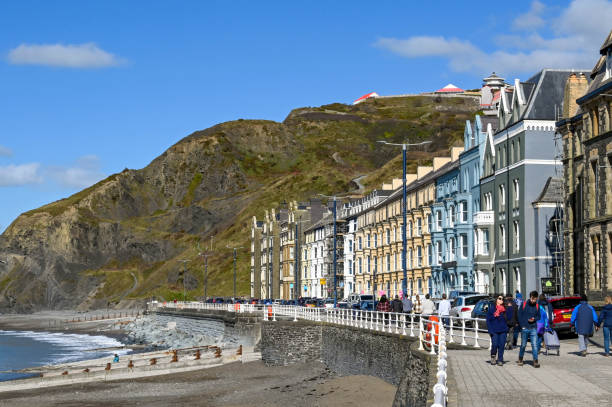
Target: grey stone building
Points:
(520, 158)
(587, 161)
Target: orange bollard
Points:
(174, 357)
(269, 312)
(239, 352)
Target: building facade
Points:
(519, 161)
(587, 163)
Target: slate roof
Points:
(544, 94)
(485, 120)
(552, 192)
(606, 44)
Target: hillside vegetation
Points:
(124, 239)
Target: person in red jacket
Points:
(383, 304)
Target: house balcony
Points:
(483, 218)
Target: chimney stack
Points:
(575, 87)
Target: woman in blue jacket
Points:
(497, 326)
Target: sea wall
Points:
(186, 328)
(352, 351)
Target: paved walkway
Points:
(565, 380)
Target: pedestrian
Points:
(407, 304)
(518, 300)
(529, 314)
(396, 305)
(512, 321)
(116, 358)
(605, 319)
(497, 325)
(418, 305)
(543, 323)
(383, 304)
(429, 308)
(444, 310)
(583, 319)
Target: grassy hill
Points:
(124, 239)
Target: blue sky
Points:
(90, 88)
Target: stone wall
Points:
(285, 343)
(351, 351)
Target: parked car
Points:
(355, 300)
(456, 293)
(464, 304)
(310, 303)
(562, 308)
(480, 310)
(343, 304)
(328, 303)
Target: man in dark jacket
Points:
(605, 319)
(512, 320)
(583, 318)
(396, 305)
(529, 314)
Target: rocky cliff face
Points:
(121, 240)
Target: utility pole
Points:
(184, 270)
(404, 209)
(235, 250)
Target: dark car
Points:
(562, 308)
(480, 311)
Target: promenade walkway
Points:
(565, 380)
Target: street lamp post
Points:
(184, 270)
(205, 255)
(235, 252)
(404, 208)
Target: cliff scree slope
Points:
(121, 240)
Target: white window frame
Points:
(517, 231)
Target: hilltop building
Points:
(587, 163)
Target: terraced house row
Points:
(488, 218)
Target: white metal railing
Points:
(465, 331)
(440, 389)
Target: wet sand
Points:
(235, 385)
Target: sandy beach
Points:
(235, 384)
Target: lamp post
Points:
(404, 206)
(205, 254)
(235, 250)
(184, 270)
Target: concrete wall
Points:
(351, 351)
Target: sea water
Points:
(22, 349)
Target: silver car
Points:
(464, 304)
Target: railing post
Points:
(397, 316)
(412, 324)
(403, 324)
(274, 313)
(432, 336)
(463, 332)
(476, 345)
(295, 310)
(450, 321)
(421, 334)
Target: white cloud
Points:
(578, 31)
(87, 55)
(5, 152)
(17, 175)
(84, 173)
(531, 19)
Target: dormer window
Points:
(609, 63)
